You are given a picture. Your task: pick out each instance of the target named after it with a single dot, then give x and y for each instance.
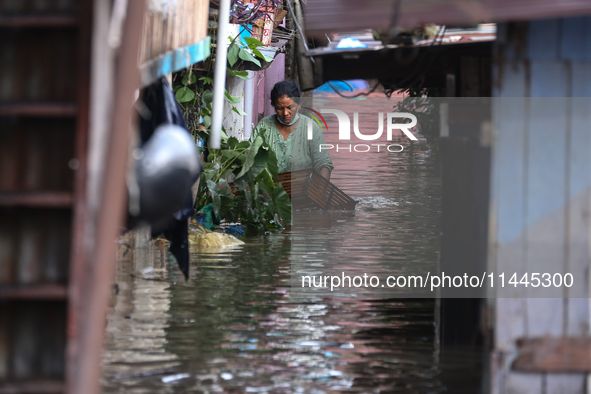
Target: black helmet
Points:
(167, 166)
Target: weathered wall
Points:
(541, 183)
(273, 74)
(263, 82)
(233, 122)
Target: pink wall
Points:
(273, 74)
(263, 84)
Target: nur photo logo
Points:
(345, 129)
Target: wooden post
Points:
(84, 378)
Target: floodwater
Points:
(237, 326)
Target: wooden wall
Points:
(169, 25)
(541, 185)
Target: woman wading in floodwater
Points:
(287, 133)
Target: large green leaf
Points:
(248, 193)
(207, 121)
(229, 210)
(207, 97)
(224, 136)
(238, 74)
(272, 165)
(207, 174)
(189, 79)
(245, 55)
(206, 110)
(231, 99)
(257, 200)
(253, 42)
(233, 54)
(215, 196)
(230, 154)
(282, 204)
(232, 142)
(184, 95)
(227, 173)
(250, 156)
(243, 145)
(225, 190)
(206, 80)
(266, 181)
(270, 216)
(252, 219)
(227, 204)
(266, 58)
(239, 111)
(260, 163)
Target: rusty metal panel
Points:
(37, 65)
(32, 341)
(342, 15)
(38, 6)
(35, 154)
(34, 247)
(35, 254)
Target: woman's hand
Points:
(325, 172)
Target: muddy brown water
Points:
(236, 326)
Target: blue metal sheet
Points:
(543, 39)
(580, 124)
(176, 60)
(576, 38)
(547, 141)
(509, 160)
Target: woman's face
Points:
(286, 109)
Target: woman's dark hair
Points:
(287, 89)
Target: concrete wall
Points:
(541, 186)
(233, 122)
(263, 82)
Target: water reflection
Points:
(237, 327)
(136, 329)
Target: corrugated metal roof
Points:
(480, 33)
(339, 15)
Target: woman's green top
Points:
(297, 152)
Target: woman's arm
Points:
(325, 172)
(320, 158)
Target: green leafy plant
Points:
(183, 93)
(240, 181)
(250, 53)
(194, 91)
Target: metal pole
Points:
(248, 104)
(219, 78)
